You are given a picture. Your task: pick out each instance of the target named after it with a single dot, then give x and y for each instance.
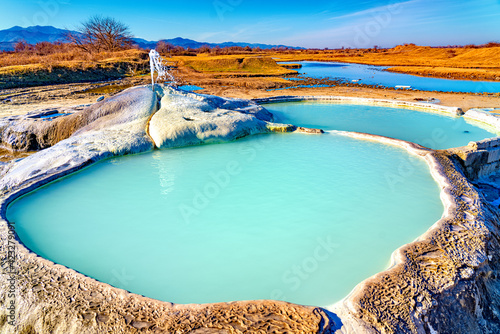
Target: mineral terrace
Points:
(444, 282)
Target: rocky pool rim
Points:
(430, 156)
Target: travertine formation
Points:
(192, 119)
(444, 282)
(357, 100)
(480, 158)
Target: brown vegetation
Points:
(482, 74)
(46, 53)
(101, 34)
(49, 63)
(473, 63)
(242, 66)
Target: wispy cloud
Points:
(371, 11)
(425, 22)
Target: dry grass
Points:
(51, 63)
(233, 64)
(56, 54)
(407, 55)
(450, 73)
(28, 69)
(457, 63)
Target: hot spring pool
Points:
(294, 217)
(436, 131)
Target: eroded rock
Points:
(189, 119)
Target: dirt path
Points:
(17, 101)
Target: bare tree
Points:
(164, 47)
(23, 46)
(204, 49)
(101, 34)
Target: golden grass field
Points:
(452, 63)
(455, 63)
(19, 70)
(71, 65)
(251, 64)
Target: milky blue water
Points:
(436, 131)
(375, 75)
(190, 88)
(294, 217)
(299, 86)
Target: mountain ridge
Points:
(35, 34)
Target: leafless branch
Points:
(101, 34)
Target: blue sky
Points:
(320, 23)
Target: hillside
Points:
(72, 67)
(454, 63)
(32, 35)
(35, 34)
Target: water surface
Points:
(436, 131)
(294, 217)
(375, 75)
(190, 88)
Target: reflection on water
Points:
(165, 176)
(375, 75)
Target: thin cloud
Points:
(372, 10)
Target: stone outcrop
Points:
(104, 130)
(37, 130)
(281, 128)
(480, 158)
(191, 119)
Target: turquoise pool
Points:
(436, 131)
(294, 217)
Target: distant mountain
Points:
(35, 34)
(189, 43)
(32, 35)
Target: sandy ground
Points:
(18, 101)
(22, 100)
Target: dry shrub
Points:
(55, 53)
